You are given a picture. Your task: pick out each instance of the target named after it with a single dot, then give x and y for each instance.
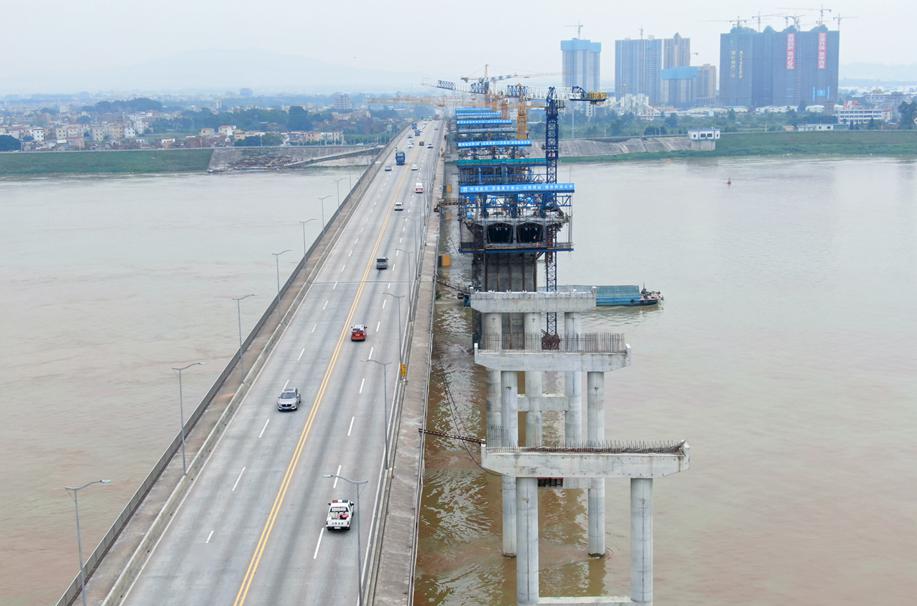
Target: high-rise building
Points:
(705, 87)
(676, 52)
(789, 67)
(342, 102)
(581, 63)
(638, 68)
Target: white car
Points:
(414, 167)
(289, 399)
(388, 168)
(340, 515)
(399, 206)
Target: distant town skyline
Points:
(320, 47)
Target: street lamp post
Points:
(181, 412)
(398, 302)
(238, 301)
(277, 260)
(356, 483)
(303, 223)
(413, 262)
(79, 539)
(322, 199)
(384, 366)
(337, 185)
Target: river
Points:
(108, 283)
(784, 353)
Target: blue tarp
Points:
(496, 143)
(517, 188)
(617, 294)
(481, 121)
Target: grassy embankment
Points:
(838, 143)
(35, 164)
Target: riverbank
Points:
(35, 164)
(833, 143)
(221, 159)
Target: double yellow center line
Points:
(319, 396)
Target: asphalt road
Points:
(251, 530)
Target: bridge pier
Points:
(595, 424)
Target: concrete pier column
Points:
(510, 438)
(573, 389)
(533, 382)
(595, 427)
(527, 533)
(641, 540)
(492, 336)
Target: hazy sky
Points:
(67, 45)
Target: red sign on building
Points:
(791, 50)
(822, 50)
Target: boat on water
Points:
(615, 295)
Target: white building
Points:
(709, 134)
(37, 133)
(861, 115)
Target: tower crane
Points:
(821, 10)
(579, 28)
(838, 18)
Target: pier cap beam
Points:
(532, 302)
(601, 600)
(612, 462)
(551, 360)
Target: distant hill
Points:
(878, 73)
(225, 70)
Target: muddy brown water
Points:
(784, 352)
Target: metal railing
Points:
(582, 343)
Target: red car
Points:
(358, 332)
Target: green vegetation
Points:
(104, 162)
(826, 143)
(908, 113)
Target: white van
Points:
(418, 188)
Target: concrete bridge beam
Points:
(544, 361)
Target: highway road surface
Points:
(251, 529)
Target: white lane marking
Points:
(209, 536)
(357, 239)
(319, 544)
(343, 266)
(337, 473)
(378, 324)
(362, 383)
(350, 254)
(349, 429)
(397, 251)
(389, 287)
(237, 479)
(400, 240)
(261, 433)
(383, 303)
(300, 354)
(314, 326)
(325, 304)
(285, 384)
(335, 285)
(371, 349)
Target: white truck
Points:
(340, 515)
